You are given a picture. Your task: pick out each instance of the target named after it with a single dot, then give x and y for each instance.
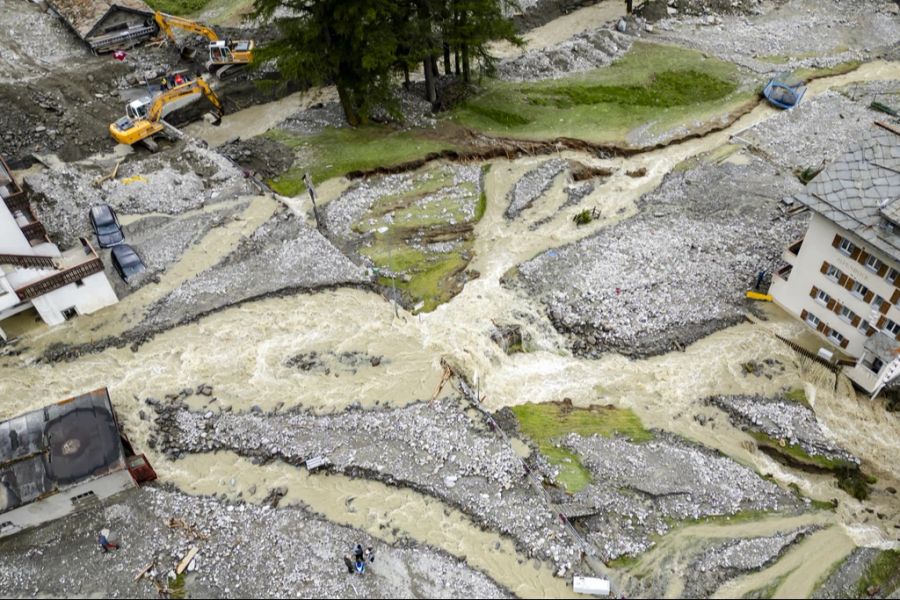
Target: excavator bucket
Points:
(213, 117)
(188, 53)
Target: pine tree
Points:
(351, 43)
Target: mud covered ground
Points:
(244, 292)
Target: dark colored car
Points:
(126, 261)
(106, 226)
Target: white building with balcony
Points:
(843, 277)
(33, 271)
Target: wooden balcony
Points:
(35, 232)
(68, 275)
(28, 261)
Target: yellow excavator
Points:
(144, 118)
(224, 55)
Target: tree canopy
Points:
(360, 44)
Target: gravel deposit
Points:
(583, 52)
(640, 489)
(283, 255)
(795, 139)
(729, 559)
(675, 272)
(802, 33)
(434, 448)
(173, 183)
(843, 581)
(245, 551)
(532, 185)
(782, 420)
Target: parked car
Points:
(106, 226)
(127, 262)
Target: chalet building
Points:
(35, 275)
(63, 458)
(843, 277)
(107, 25)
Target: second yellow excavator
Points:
(144, 118)
(224, 55)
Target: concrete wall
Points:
(12, 240)
(60, 504)
(96, 293)
(794, 294)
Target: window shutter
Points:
(844, 343)
(861, 256)
(804, 313)
(884, 307)
(882, 270)
(881, 321)
(813, 292)
(821, 327)
(831, 304)
(856, 253)
(895, 296)
(870, 332)
(824, 268)
(869, 295)
(849, 283)
(856, 320)
(837, 240)
(842, 279)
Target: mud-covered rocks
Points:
(675, 272)
(532, 185)
(785, 420)
(433, 447)
(583, 52)
(640, 489)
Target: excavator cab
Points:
(138, 109)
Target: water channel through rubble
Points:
(242, 352)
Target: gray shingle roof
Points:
(860, 188)
(50, 449)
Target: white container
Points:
(826, 354)
(591, 585)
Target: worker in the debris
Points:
(360, 557)
(348, 561)
(369, 554)
(106, 541)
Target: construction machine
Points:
(144, 117)
(224, 55)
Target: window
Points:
(833, 273)
(812, 319)
(822, 298)
(863, 326)
(875, 366)
(80, 499)
(892, 327)
(876, 302)
(892, 275)
(846, 314)
(888, 226)
(69, 313)
(846, 246)
(859, 290)
(873, 264)
(835, 337)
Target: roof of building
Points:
(56, 447)
(860, 188)
(83, 15)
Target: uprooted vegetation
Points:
(545, 424)
(416, 231)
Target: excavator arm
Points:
(156, 109)
(167, 22)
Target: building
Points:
(34, 274)
(843, 277)
(63, 458)
(106, 25)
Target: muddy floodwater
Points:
(244, 352)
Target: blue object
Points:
(360, 567)
(784, 92)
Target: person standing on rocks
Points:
(106, 541)
(348, 561)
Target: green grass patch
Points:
(797, 395)
(544, 423)
(808, 74)
(798, 454)
(176, 587)
(883, 573)
(336, 151)
(178, 7)
(625, 562)
(665, 85)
